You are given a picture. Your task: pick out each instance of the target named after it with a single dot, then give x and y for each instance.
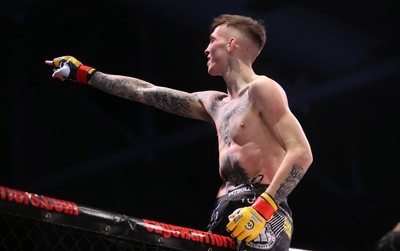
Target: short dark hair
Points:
(255, 29)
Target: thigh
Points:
(242, 196)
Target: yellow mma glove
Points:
(248, 223)
(68, 67)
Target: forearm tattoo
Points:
(287, 186)
(165, 99)
(117, 87)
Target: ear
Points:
(232, 43)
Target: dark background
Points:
(339, 62)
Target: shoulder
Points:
(267, 93)
(210, 100)
(265, 87)
(209, 96)
(263, 83)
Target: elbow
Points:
(307, 158)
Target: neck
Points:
(236, 80)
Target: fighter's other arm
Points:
(272, 102)
(270, 99)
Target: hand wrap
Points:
(70, 68)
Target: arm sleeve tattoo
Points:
(166, 99)
(287, 186)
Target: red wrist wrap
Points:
(81, 74)
(264, 208)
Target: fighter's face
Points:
(216, 51)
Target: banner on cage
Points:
(66, 213)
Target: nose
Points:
(206, 51)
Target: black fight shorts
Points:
(276, 234)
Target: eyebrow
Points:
(212, 36)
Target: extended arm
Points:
(174, 101)
(166, 99)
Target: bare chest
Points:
(235, 121)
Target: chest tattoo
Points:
(230, 120)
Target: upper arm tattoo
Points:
(287, 186)
(168, 101)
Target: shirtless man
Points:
(263, 150)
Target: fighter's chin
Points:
(211, 72)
